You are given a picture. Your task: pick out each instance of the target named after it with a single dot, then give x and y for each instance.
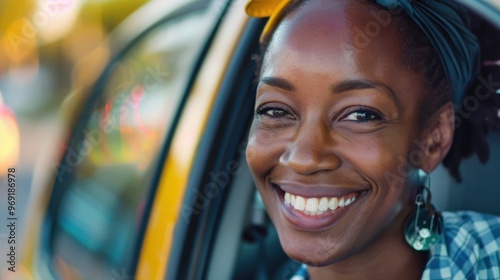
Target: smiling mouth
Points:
(314, 206)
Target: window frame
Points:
(63, 180)
(189, 257)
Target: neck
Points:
(390, 257)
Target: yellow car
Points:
(153, 183)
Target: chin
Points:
(309, 259)
(311, 251)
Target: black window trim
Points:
(230, 116)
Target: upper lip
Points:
(316, 190)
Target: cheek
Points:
(377, 155)
(380, 160)
(263, 150)
(383, 160)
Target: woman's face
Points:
(336, 124)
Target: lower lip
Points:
(305, 222)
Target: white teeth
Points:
(312, 213)
(316, 206)
(287, 198)
(323, 204)
(300, 203)
(341, 202)
(333, 203)
(312, 204)
(347, 202)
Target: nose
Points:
(311, 150)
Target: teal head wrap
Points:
(455, 44)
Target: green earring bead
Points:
(423, 229)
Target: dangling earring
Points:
(424, 227)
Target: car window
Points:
(100, 213)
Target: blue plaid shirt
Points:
(469, 249)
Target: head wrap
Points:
(440, 21)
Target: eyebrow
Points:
(278, 82)
(349, 85)
(344, 86)
(360, 84)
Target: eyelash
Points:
(375, 115)
(264, 111)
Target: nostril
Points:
(311, 148)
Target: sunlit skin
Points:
(332, 120)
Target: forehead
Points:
(331, 34)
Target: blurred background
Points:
(50, 50)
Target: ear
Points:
(438, 136)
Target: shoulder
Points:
(470, 246)
(480, 232)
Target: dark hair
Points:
(419, 55)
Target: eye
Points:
(273, 112)
(363, 115)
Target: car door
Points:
(107, 178)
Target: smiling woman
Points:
(343, 132)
